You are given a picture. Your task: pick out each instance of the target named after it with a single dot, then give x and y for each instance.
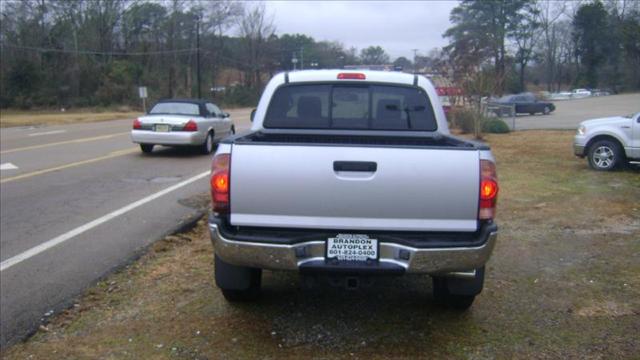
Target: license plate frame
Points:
(162, 128)
(358, 248)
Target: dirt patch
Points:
(606, 308)
(563, 283)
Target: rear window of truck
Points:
(350, 107)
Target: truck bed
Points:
(391, 140)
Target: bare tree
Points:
(218, 17)
(256, 28)
(526, 37)
(73, 14)
(549, 12)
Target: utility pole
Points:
(302, 58)
(198, 54)
(415, 56)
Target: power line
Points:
(91, 52)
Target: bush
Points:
(495, 126)
(464, 119)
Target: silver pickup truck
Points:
(350, 175)
(609, 142)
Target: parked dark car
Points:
(526, 104)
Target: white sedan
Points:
(178, 122)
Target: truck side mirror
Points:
(253, 114)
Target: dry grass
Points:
(563, 283)
(10, 118)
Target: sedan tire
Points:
(207, 147)
(546, 110)
(604, 155)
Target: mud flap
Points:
(232, 277)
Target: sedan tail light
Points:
(220, 183)
(190, 126)
(488, 190)
(137, 124)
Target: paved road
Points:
(82, 201)
(569, 113)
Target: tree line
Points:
(501, 46)
(76, 53)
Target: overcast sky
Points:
(397, 26)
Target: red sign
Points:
(449, 91)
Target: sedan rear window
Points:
(176, 108)
(350, 107)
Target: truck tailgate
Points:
(348, 187)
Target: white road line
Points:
(8, 166)
(90, 225)
(48, 132)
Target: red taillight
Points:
(190, 126)
(220, 183)
(351, 76)
(488, 190)
(137, 124)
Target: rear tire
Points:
(442, 296)
(604, 155)
(457, 293)
(240, 295)
(237, 283)
(207, 147)
(146, 148)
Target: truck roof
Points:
(370, 76)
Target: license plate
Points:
(352, 247)
(162, 128)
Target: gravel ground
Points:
(562, 283)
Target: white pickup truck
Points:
(610, 142)
(350, 175)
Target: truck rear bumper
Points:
(394, 257)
